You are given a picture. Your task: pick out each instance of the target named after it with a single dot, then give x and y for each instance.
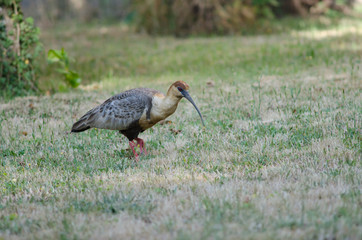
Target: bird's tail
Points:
(82, 124)
(79, 127)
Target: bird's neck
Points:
(165, 105)
(170, 103)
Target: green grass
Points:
(279, 158)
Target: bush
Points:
(60, 57)
(182, 18)
(19, 45)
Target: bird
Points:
(134, 111)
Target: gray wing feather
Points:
(119, 111)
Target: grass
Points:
(280, 156)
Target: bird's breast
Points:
(160, 109)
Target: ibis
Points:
(133, 111)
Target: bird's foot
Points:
(132, 146)
(141, 143)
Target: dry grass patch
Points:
(279, 158)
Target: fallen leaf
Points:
(175, 131)
(146, 219)
(163, 122)
(210, 83)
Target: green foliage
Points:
(196, 17)
(19, 46)
(192, 17)
(264, 7)
(61, 57)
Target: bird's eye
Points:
(180, 89)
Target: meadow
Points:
(279, 158)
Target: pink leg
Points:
(132, 145)
(142, 145)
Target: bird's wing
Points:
(119, 111)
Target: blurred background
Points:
(180, 17)
(115, 38)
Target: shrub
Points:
(181, 18)
(61, 58)
(19, 46)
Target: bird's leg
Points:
(142, 145)
(132, 145)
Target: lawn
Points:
(280, 156)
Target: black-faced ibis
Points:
(134, 111)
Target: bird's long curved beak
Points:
(188, 97)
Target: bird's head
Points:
(177, 87)
(179, 90)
